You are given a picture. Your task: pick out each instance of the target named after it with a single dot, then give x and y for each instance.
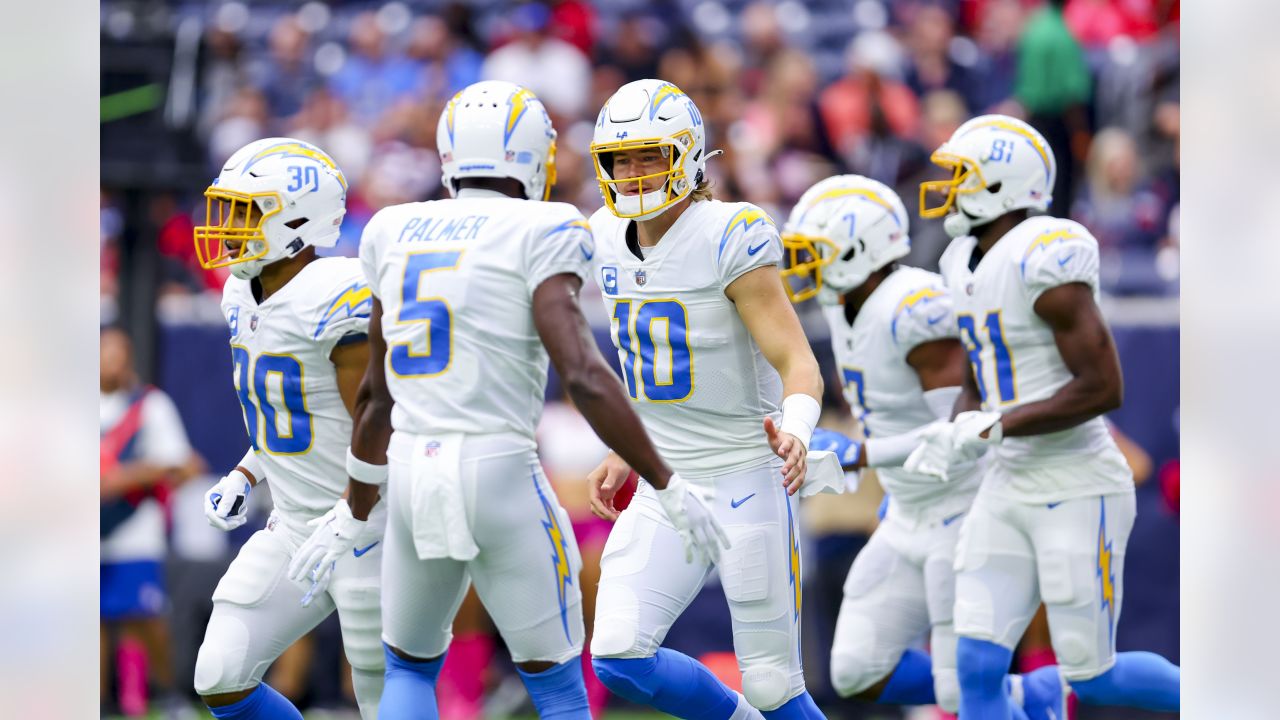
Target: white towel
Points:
(825, 475)
(440, 526)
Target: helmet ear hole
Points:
(296, 223)
(848, 254)
(994, 187)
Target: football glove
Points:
(226, 504)
(701, 532)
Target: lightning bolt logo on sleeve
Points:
(920, 298)
(746, 217)
(354, 301)
(586, 242)
(559, 554)
(1044, 240)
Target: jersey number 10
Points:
(1003, 360)
(662, 359)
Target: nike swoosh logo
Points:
(735, 503)
(586, 254)
(367, 548)
(936, 320)
(953, 518)
(756, 249)
(1053, 505)
(1065, 260)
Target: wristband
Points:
(253, 465)
(800, 415)
(364, 472)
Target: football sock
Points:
(264, 703)
(409, 692)
(1138, 680)
(981, 666)
(800, 707)
(559, 692)
(911, 682)
(669, 681)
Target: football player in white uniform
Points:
(895, 341)
(1057, 502)
(471, 296)
(709, 346)
(299, 348)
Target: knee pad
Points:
(360, 618)
(851, 672)
(625, 677)
(617, 621)
(946, 689)
(982, 665)
(220, 664)
(766, 687)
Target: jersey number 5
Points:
(289, 403)
(1003, 360)
(654, 344)
(433, 311)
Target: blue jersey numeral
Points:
(265, 429)
(853, 377)
(1005, 385)
(433, 311)
(665, 359)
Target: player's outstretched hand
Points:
(334, 536)
(974, 431)
(226, 505)
(701, 532)
(793, 454)
(604, 483)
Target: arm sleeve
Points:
(749, 240)
(564, 244)
(1060, 256)
(164, 437)
(923, 315)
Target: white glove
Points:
(698, 528)
(967, 443)
(334, 536)
(227, 502)
(933, 454)
(825, 475)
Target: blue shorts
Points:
(131, 589)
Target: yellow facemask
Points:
(233, 224)
(675, 172)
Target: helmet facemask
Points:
(234, 231)
(641, 205)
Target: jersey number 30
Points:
(434, 311)
(285, 425)
(655, 345)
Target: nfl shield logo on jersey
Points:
(253, 323)
(641, 278)
(432, 449)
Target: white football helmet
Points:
(496, 129)
(646, 114)
(842, 229)
(998, 164)
(273, 198)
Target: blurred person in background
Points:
(286, 76)
(1116, 203)
(298, 323)
(222, 75)
(374, 77)
(633, 48)
(535, 58)
(240, 121)
(325, 121)
(933, 64)
(447, 64)
(1053, 85)
(762, 41)
(996, 33)
(869, 100)
(144, 453)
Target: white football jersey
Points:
(909, 308)
(1012, 351)
(287, 385)
(697, 379)
(456, 280)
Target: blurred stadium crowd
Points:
(792, 92)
